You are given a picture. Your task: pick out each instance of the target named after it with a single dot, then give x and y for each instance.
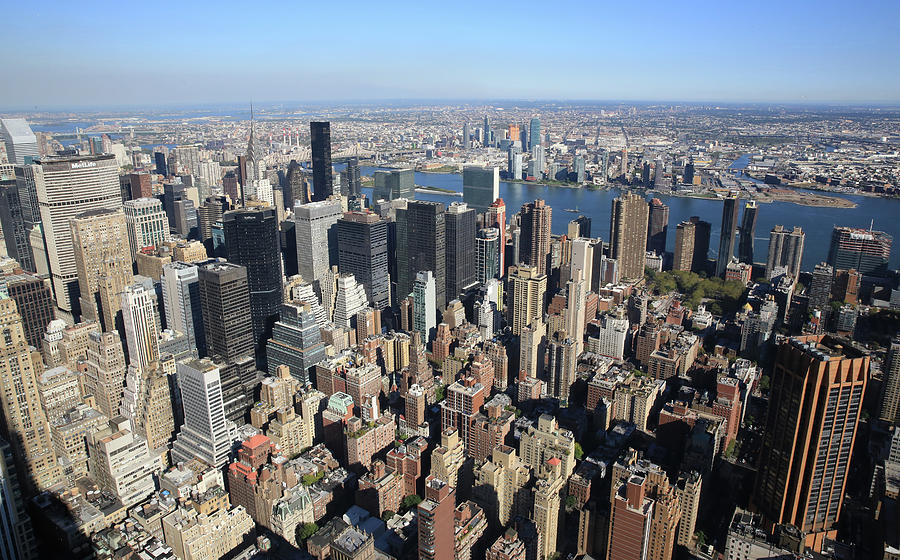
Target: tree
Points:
(439, 393)
(579, 452)
(571, 501)
(764, 383)
(387, 515)
(701, 538)
(410, 502)
(306, 530)
(310, 479)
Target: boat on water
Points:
(572, 210)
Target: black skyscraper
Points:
(363, 252)
(657, 227)
(702, 233)
(460, 249)
(748, 230)
(323, 185)
(252, 240)
(161, 167)
(225, 304)
(729, 227)
(354, 184)
(420, 246)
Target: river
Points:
(816, 222)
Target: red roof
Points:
(554, 461)
(257, 441)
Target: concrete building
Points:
(529, 286)
(182, 304)
(546, 440)
(142, 331)
(785, 251)
(121, 463)
(536, 218)
(628, 234)
(21, 143)
(501, 486)
(21, 404)
(104, 371)
(206, 433)
(425, 306)
(67, 187)
(103, 261)
(317, 247)
(147, 224)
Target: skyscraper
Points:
(23, 413)
(486, 133)
(320, 135)
(748, 231)
(105, 371)
(816, 396)
(628, 234)
(481, 186)
(528, 288)
(460, 249)
(354, 184)
(820, 287)
(702, 233)
(15, 229)
(865, 250)
(252, 241)
(889, 409)
(536, 218)
(67, 187)
(363, 252)
(421, 245)
(141, 329)
(534, 135)
(487, 255)
(467, 137)
(576, 293)
(103, 261)
(181, 303)
(657, 226)
(206, 433)
(161, 167)
(684, 246)
(34, 299)
(729, 227)
(21, 143)
(146, 222)
(394, 184)
(436, 525)
(296, 188)
(496, 218)
(225, 304)
(317, 247)
(425, 306)
(296, 341)
(18, 540)
(785, 251)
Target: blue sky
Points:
(149, 53)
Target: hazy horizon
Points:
(158, 55)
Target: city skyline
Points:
(653, 53)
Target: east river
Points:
(596, 204)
